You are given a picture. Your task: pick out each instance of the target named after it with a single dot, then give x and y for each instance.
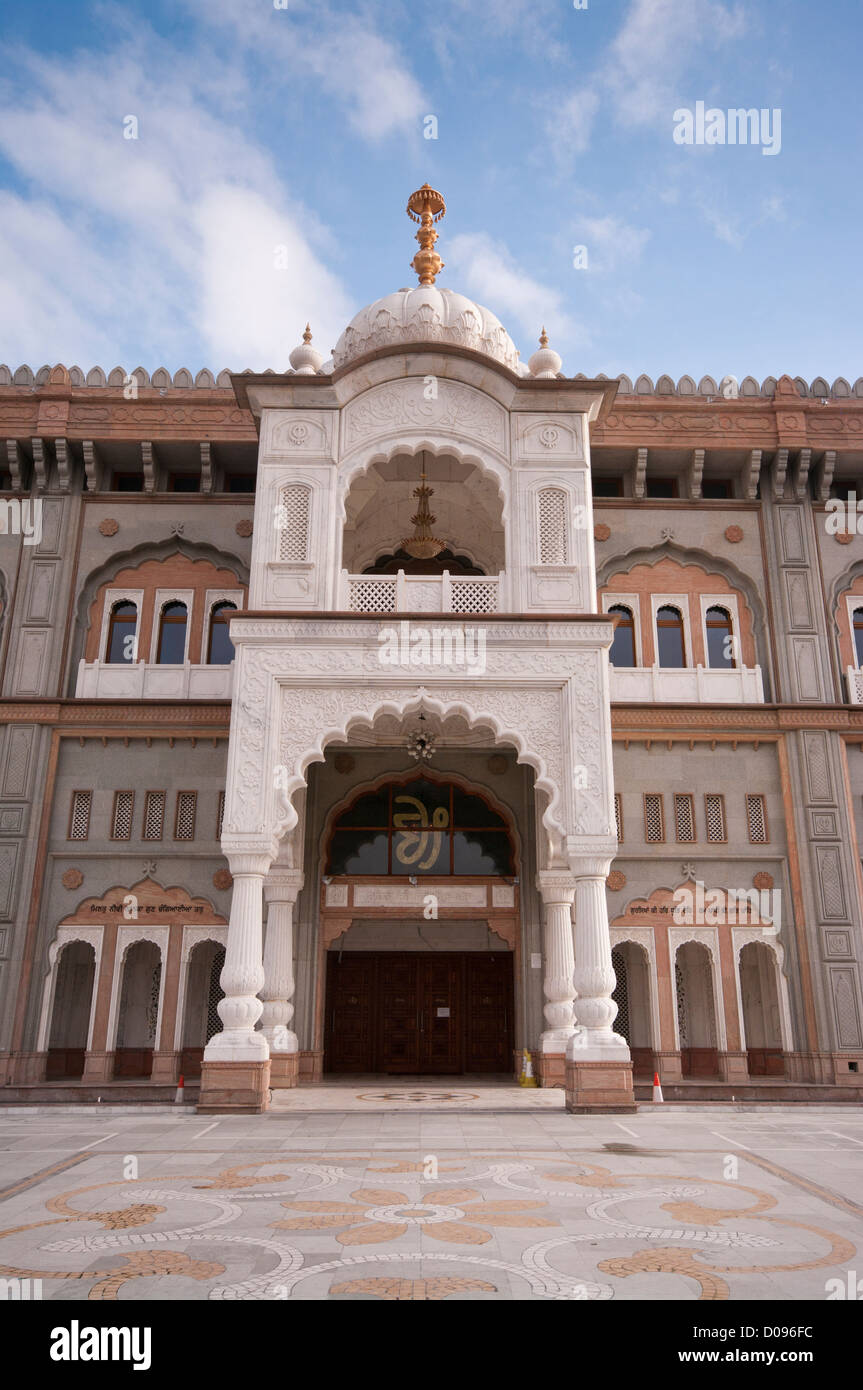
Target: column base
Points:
(550, 1067)
(166, 1067)
(599, 1087)
(311, 1067)
(284, 1070)
(98, 1066)
(234, 1088)
(734, 1066)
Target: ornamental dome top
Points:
(427, 314)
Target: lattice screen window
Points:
(553, 538)
(470, 596)
(372, 596)
(681, 1003)
(620, 994)
(618, 816)
(654, 819)
(293, 522)
(714, 812)
(220, 815)
(215, 993)
(684, 819)
(184, 825)
(121, 819)
(756, 820)
(79, 815)
(154, 816)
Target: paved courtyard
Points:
(422, 1190)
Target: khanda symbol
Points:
(419, 847)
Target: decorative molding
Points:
(109, 526)
(72, 878)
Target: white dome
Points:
(426, 314)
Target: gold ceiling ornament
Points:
(422, 545)
(426, 206)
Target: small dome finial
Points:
(545, 362)
(305, 359)
(426, 206)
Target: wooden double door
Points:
(419, 1013)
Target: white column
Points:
(242, 975)
(557, 892)
(280, 892)
(595, 1010)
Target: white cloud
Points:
(487, 271)
(611, 243)
(163, 241)
(572, 127)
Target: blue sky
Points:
(303, 128)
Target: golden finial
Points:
(543, 337)
(426, 206)
(307, 336)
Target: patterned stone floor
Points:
(430, 1205)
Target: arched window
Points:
(220, 648)
(420, 827)
(858, 635)
(670, 647)
(622, 652)
(720, 639)
(121, 632)
(172, 635)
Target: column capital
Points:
(595, 865)
(282, 885)
(244, 863)
(555, 886)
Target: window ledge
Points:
(144, 680)
(686, 685)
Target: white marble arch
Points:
(643, 937)
(709, 937)
(128, 933)
(192, 937)
(65, 936)
(743, 936)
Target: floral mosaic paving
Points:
(378, 1225)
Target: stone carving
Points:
(72, 878)
(425, 314)
(497, 764)
(616, 880)
(402, 405)
(601, 531)
(734, 534)
(109, 526)
(762, 881)
(344, 763)
(244, 528)
(223, 879)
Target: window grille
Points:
(294, 522)
(184, 828)
(654, 821)
(121, 820)
(154, 816)
(684, 819)
(714, 811)
(79, 815)
(756, 819)
(618, 816)
(553, 540)
(681, 1003)
(215, 993)
(620, 994)
(220, 815)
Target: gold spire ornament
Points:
(426, 206)
(422, 545)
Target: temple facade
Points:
(402, 712)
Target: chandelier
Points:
(420, 745)
(422, 545)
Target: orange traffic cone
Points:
(657, 1089)
(179, 1098)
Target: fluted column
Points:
(242, 974)
(594, 979)
(280, 892)
(557, 892)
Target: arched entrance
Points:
(139, 1010)
(70, 1015)
(759, 998)
(419, 924)
(632, 996)
(203, 993)
(696, 1012)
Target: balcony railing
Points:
(142, 680)
(422, 593)
(686, 685)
